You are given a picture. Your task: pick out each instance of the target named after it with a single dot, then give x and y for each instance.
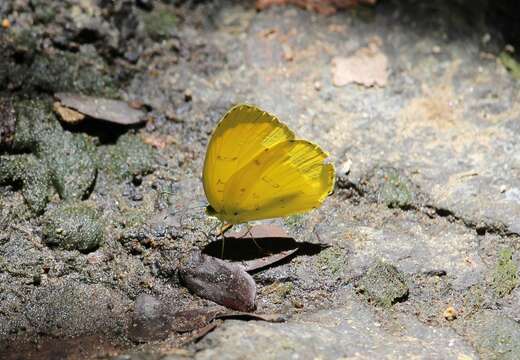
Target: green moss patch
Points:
(66, 156)
(332, 259)
(505, 274)
(391, 187)
(510, 64)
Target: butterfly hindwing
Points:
(285, 179)
(242, 134)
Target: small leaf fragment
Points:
(68, 115)
(193, 319)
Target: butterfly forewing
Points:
(242, 134)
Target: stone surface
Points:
(494, 335)
(432, 188)
(149, 321)
(101, 309)
(351, 331)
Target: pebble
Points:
(509, 48)
(450, 313)
(148, 322)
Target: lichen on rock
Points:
(383, 284)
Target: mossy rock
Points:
(73, 169)
(383, 284)
(34, 122)
(160, 23)
(128, 158)
(332, 259)
(67, 156)
(33, 176)
(24, 67)
(63, 71)
(505, 274)
(73, 226)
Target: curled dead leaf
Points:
(114, 111)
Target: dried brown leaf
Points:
(67, 115)
(192, 319)
(251, 265)
(259, 232)
(270, 232)
(115, 111)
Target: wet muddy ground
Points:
(97, 218)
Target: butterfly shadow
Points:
(261, 248)
(106, 132)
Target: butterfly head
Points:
(210, 211)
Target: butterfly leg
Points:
(223, 228)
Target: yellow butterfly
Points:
(255, 169)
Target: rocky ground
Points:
(97, 218)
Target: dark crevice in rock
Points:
(481, 228)
(418, 202)
(343, 183)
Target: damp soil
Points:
(415, 254)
